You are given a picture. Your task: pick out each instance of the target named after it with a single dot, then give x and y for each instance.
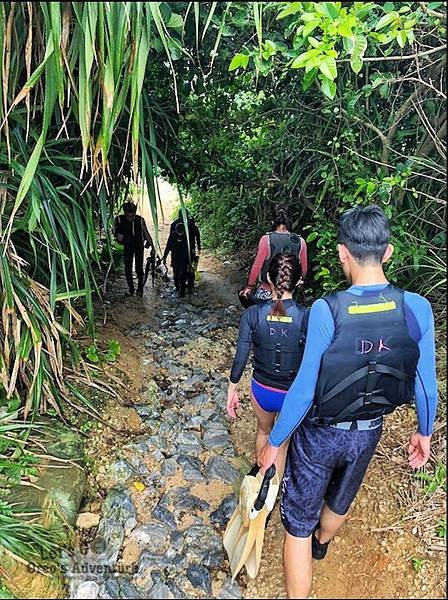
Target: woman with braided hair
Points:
(276, 329)
(278, 241)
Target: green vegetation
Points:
(95, 355)
(441, 528)
(316, 105)
(332, 104)
(433, 481)
(417, 563)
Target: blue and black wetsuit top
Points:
(322, 333)
(278, 343)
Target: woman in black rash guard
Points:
(276, 330)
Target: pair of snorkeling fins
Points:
(244, 534)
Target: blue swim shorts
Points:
(323, 464)
(268, 398)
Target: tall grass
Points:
(72, 136)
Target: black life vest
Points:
(131, 230)
(280, 243)
(179, 237)
(278, 344)
(370, 367)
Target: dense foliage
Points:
(72, 111)
(316, 105)
(329, 104)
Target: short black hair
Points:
(129, 207)
(365, 230)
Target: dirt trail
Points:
(369, 559)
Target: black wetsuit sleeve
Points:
(247, 326)
(146, 235)
(169, 244)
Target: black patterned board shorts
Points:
(323, 463)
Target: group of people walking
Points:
(324, 378)
(131, 231)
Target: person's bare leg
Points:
(329, 524)
(297, 565)
(265, 421)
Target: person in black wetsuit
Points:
(183, 259)
(131, 231)
(276, 330)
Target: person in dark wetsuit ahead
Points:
(183, 258)
(276, 330)
(131, 231)
(280, 240)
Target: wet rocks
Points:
(166, 541)
(87, 589)
(200, 578)
(218, 467)
(222, 514)
(204, 545)
(231, 590)
(152, 535)
(191, 467)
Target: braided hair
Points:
(284, 272)
(280, 216)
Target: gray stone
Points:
(200, 578)
(193, 384)
(119, 518)
(144, 410)
(158, 456)
(188, 449)
(198, 401)
(110, 589)
(214, 428)
(222, 514)
(139, 466)
(142, 444)
(160, 591)
(218, 441)
(120, 587)
(203, 543)
(169, 467)
(191, 467)
(218, 467)
(176, 540)
(195, 421)
(121, 471)
(188, 438)
(152, 535)
(129, 590)
(164, 515)
(190, 503)
(231, 591)
(152, 392)
(87, 589)
(166, 428)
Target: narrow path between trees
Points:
(169, 484)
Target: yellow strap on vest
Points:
(280, 319)
(363, 309)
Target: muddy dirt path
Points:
(373, 557)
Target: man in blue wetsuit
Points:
(369, 349)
